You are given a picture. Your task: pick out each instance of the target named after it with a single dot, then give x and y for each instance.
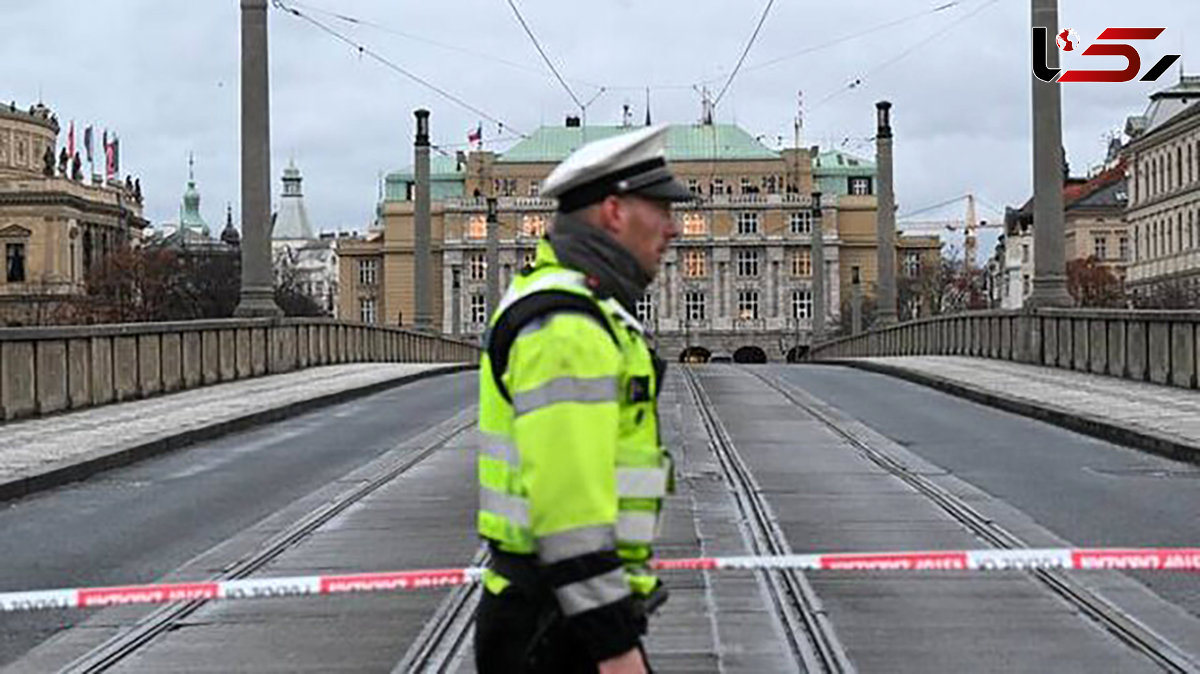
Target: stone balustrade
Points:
(47, 370)
(1155, 346)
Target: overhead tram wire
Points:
(858, 81)
(750, 43)
(363, 50)
(549, 63)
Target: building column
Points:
(423, 263)
(817, 262)
(885, 218)
(258, 283)
(493, 258)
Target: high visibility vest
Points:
(568, 462)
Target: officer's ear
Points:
(611, 215)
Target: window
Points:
(718, 186)
(747, 263)
(747, 222)
(695, 264)
(800, 222)
(1123, 246)
(14, 256)
(912, 263)
(748, 186)
(747, 305)
(366, 310)
(694, 306)
(533, 225)
(1027, 286)
(506, 187)
(477, 227)
(802, 304)
(535, 188)
(770, 184)
(860, 186)
(1100, 247)
(693, 186)
(802, 262)
(477, 267)
(694, 224)
(1024, 253)
(1191, 231)
(478, 309)
(528, 257)
(645, 309)
(368, 272)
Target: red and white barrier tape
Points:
(1080, 559)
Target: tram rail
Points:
(1111, 618)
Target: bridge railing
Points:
(1156, 346)
(47, 370)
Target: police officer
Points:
(571, 468)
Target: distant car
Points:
(721, 357)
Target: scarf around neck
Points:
(589, 249)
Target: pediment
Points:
(15, 232)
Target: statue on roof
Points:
(48, 161)
(77, 168)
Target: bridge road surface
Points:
(827, 498)
(138, 523)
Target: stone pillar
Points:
(817, 257)
(423, 264)
(258, 287)
(493, 258)
(1049, 242)
(856, 300)
(885, 219)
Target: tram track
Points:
(163, 620)
(1108, 616)
(444, 642)
(811, 638)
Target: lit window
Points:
(694, 306)
(533, 226)
(747, 222)
(860, 186)
(802, 262)
(747, 305)
(695, 264)
(477, 227)
(478, 309)
(802, 304)
(366, 310)
(800, 222)
(747, 263)
(368, 272)
(477, 267)
(694, 224)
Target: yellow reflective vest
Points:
(571, 467)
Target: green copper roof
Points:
(685, 142)
(446, 177)
(834, 162)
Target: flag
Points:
(71, 139)
(87, 143)
(110, 167)
(475, 136)
(116, 155)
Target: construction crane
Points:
(969, 225)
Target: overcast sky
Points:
(164, 74)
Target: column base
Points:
(1050, 292)
(257, 303)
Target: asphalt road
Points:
(1087, 491)
(135, 524)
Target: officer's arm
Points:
(564, 374)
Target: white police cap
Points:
(631, 163)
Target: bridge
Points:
(258, 449)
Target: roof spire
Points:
(191, 167)
(647, 106)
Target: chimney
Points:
(573, 122)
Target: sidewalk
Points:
(1161, 419)
(44, 453)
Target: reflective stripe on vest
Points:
(513, 508)
(593, 593)
(565, 390)
(636, 526)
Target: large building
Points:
(1163, 157)
(306, 261)
(54, 226)
(738, 278)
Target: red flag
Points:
(71, 139)
(110, 159)
(475, 136)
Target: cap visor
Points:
(668, 190)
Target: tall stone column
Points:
(493, 257)
(856, 301)
(1049, 237)
(422, 226)
(885, 218)
(817, 258)
(258, 283)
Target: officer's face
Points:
(644, 227)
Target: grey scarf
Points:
(580, 245)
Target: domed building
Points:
(303, 260)
(54, 225)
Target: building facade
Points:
(54, 226)
(1163, 159)
(307, 261)
(739, 277)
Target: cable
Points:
(546, 58)
(857, 82)
(932, 208)
(279, 4)
(761, 20)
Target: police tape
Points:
(1080, 559)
